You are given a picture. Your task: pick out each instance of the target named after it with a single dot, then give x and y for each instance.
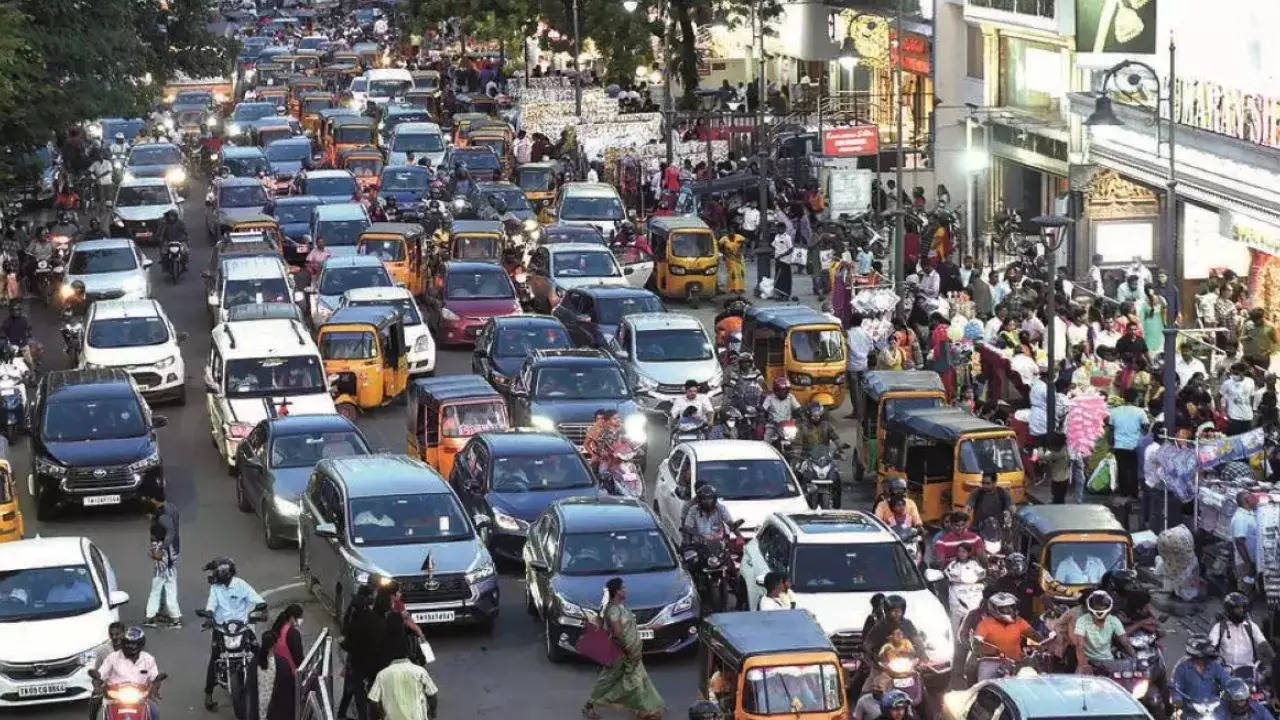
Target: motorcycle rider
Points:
(1133, 604)
(814, 430)
(1002, 631)
(1017, 583)
(18, 332)
(1199, 677)
(896, 487)
(1237, 638)
(958, 535)
(130, 665)
(778, 407)
(729, 320)
(40, 248)
(895, 610)
(95, 231)
(1238, 703)
(743, 384)
(731, 425)
(230, 598)
(705, 517)
(1095, 632)
(172, 229)
(896, 705)
(693, 398)
(119, 148)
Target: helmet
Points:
(1015, 564)
(782, 385)
(221, 570)
(706, 492)
(731, 415)
(171, 215)
(626, 226)
(1004, 606)
(1236, 602)
(897, 486)
(745, 361)
(1198, 646)
(1123, 581)
(119, 137)
(1237, 694)
(94, 223)
(815, 410)
(895, 602)
(705, 710)
(1099, 603)
(133, 642)
(893, 699)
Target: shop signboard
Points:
(1254, 233)
(1211, 106)
(915, 52)
(1116, 26)
(848, 191)
(853, 141)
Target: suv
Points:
(331, 186)
(392, 517)
(1081, 697)
(837, 560)
(660, 351)
(586, 203)
(560, 391)
(339, 225)
(139, 206)
(244, 161)
(110, 268)
(423, 139)
(556, 269)
(231, 199)
(158, 160)
(248, 281)
(93, 441)
(136, 336)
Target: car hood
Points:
(294, 231)
(104, 282)
(580, 411)
(842, 612)
(644, 590)
(483, 308)
(286, 168)
(570, 283)
(529, 505)
(230, 215)
(58, 637)
(675, 373)
(753, 512)
(253, 410)
(446, 557)
(119, 451)
(125, 356)
(289, 483)
(150, 170)
(143, 213)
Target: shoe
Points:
(151, 622)
(175, 622)
(209, 703)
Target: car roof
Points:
(662, 321)
(298, 199)
(385, 474)
(299, 424)
(757, 633)
(374, 294)
(239, 182)
(265, 311)
(1078, 696)
(603, 514)
(352, 261)
(526, 320)
(295, 140)
(716, 450)
(143, 182)
(43, 552)
(419, 127)
(471, 266)
(243, 151)
(102, 244)
(252, 266)
(332, 173)
(88, 383)
(835, 526)
(614, 291)
(565, 357)
(526, 442)
(340, 211)
(592, 189)
(114, 309)
(264, 338)
(1054, 519)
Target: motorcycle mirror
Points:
(147, 263)
(933, 575)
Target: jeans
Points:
(168, 588)
(353, 689)
(1078, 480)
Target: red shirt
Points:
(671, 178)
(946, 544)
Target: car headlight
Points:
(145, 463)
(644, 382)
(1140, 688)
(422, 344)
(49, 467)
(569, 608)
(677, 270)
(361, 576)
(637, 428)
(233, 129)
(449, 315)
(66, 291)
(91, 656)
(167, 362)
(508, 522)
(176, 175)
(684, 604)
(285, 507)
(542, 422)
(481, 572)
(117, 221)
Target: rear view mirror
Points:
(117, 598)
(159, 421)
(326, 530)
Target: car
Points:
(837, 561)
(384, 84)
(157, 159)
(495, 199)
(468, 294)
(230, 199)
(562, 233)
(751, 478)
(422, 348)
(339, 225)
(1084, 697)
(556, 269)
(660, 352)
(137, 336)
(189, 100)
(108, 127)
(591, 314)
(293, 212)
(389, 517)
(257, 369)
(139, 206)
(266, 311)
(248, 281)
(276, 460)
(287, 158)
(423, 139)
(48, 648)
(245, 113)
(482, 163)
(577, 545)
(511, 477)
(587, 203)
(93, 442)
(331, 186)
(340, 274)
(504, 342)
(243, 161)
(313, 42)
(407, 185)
(110, 268)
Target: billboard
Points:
(851, 141)
(1116, 26)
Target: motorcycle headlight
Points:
(176, 176)
(637, 428)
(508, 522)
(232, 642)
(789, 432)
(49, 467)
(130, 695)
(66, 291)
(167, 362)
(286, 507)
(211, 122)
(901, 665)
(128, 175)
(168, 123)
(684, 604)
(361, 576)
(542, 422)
(145, 463)
(422, 344)
(481, 572)
(249, 73)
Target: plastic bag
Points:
(1103, 479)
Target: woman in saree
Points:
(626, 683)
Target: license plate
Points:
(646, 634)
(439, 616)
(92, 500)
(39, 690)
(905, 682)
(144, 235)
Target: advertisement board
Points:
(1116, 26)
(851, 141)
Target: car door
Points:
(547, 553)
(667, 492)
(481, 362)
(106, 575)
(326, 555)
(463, 478)
(518, 399)
(252, 463)
(754, 562)
(637, 265)
(214, 397)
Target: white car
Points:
(137, 337)
(110, 268)
(249, 280)
(660, 351)
(259, 369)
(57, 597)
(838, 560)
(422, 348)
(751, 478)
(139, 206)
(595, 204)
(423, 139)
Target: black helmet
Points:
(1236, 602)
(1122, 581)
(746, 360)
(705, 710)
(171, 215)
(94, 223)
(1015, 564)
(1237, 695)
(77, 286)
(1004, 606)
(133, 642)
(221, 570)
(706, 492)
(626, 226)
(1198, 646)
(815, 410)
(894, 699)
(895, 602)
(897, 486)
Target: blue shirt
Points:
(1190, 685)
(232, 601)
(1126, 426)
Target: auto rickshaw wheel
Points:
(348, 411)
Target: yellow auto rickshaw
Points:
(943, 453)
(759, 665)
(498, 141)
(364, 356)
(399, 246)
(345, 58)
(269, 74)
(462, 124)
(309, 106)
(685, 262)
(10, 510)
(306, 63)
(277, 95)
(444, 412)
(266, 131)
(346, 131)
(300, 85)
(258, 225)
(799, 343)
(883, 393)
(364, 162)
(538, 181)
(476, 240)
(1070, 546)
(338, 75)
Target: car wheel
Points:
(555, 653)
(529, 605)
(273, 541)
(242, 502)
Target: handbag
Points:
(595, 643)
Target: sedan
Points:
(504, 342)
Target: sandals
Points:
(589, 712)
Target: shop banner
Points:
(1116, 26)
(1178, 465)
(851, 141)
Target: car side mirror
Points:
(621, 353)
(147, 263)
(326, 530)
(159, 421)
(117, 598)
(299, 296)
(306, 239)
(628, 271)
(215, 301)
(251, 460)
(481, 520)
(933, 575)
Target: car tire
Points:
(272, 540)
(242, 500)
(554, 652)
(529, 605)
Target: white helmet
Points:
(119, 137)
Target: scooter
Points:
(904, 673)
(72, 335)
(127, 701)
(993, 546)
(1138, 675)
(820, 477)
(688, 428)
(175, 262)
(965, 593)
(913, 538)
(624, 479)
(782, 437)
(13, 395)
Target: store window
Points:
(1120, 241)
(1031, 74)
(973, 53)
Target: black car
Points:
(482, 164)
(591, 314)
(561, 233)
(511, 477)
(276, 460)
(93, 441)
(578, 544)
(504, 343)
(495, 200)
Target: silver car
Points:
(111, 268)
(660, 352)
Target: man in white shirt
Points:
(1237, 400)
(1038, 422)
(1095, 275)
(524, 148)
(992, 328)
(930, 280)
(1187, 365)
(101, 171)
(860, 345)
(1244, 538)
(777, 588)
(693, 398)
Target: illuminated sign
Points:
(851, 141)
(1228, 111)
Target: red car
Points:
(464, 296)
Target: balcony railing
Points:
(1038, 8)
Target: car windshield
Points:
(526, 473)
(580, 207)
(610, 311)
(497, 145)
(417, 142)
(348, 345)
(248, 166)
(791, 690)
(520, 341)
(535, 179)
(672, 346)
(412, 180)
(408, 309)
(407, 519)
(389, 88)
(854, 567)
(295, 212)
(127, 332)
(691, 244)
(475, 247)
(102, 260)
(364, 167)
(337, 280)
(260, 377)
(305, 450)
(615, 553)
(193, 98)
(248, 112)
(251, 291)
(340, 232)
(155, 155)
(586, 264)
(598, 382)
(328, 186)
(241, 196)
(311, 43)
(385, 249)
(314, 105)
(353, 134)
(747, 479)
(467, 419)
(511, 197)
(817, 346)
(143, 195)
(478, 160)
(288, 152)
(1083, 563)
(989, 455)
(46, 593)
(97, 419)
(478, 285)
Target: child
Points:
(164, 582)
(897, 645)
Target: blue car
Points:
(407, 184)
(293, 212)
(288, 157)
(511, 477)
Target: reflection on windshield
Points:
(586, 264)
(1083, 563)
(610, 311)
(142, 195)
(408, 309)
(315, 106)
(580, 383)
(478, 160)
(288, 152)
(817, 346)
(791, 690)
(615, 553)
(100, 419)
(512, 199)
(296, 375)
(243, 167)
(860, 567)
(747, 479)
(405, 519)
(518, 342)
(531, 474)
(691, 244)
(47, 592)
(467, 419)
(244, 195)
(895, 406)
(364, 167)
(989, 455)
(105, 260)
(534, 179)
(591, 208)
(347, 345)
(481, 285)
(127, 332)
(672, 346)
(404, 180)
(384, 250)
(475, 247)
(353, 135)
(247, 112)
(340, 232)
(331, 186)
(306, 450)
(418, 142)
(337, 280)
(252, 291)
(392, 88)
(295, 212)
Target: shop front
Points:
(1120, 222)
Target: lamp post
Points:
(1051, 247)
(631, 6)
(757, 27)
(1102, 115)
(577, 64)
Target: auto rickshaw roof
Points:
(1047, 520)
(668, 223)
(943, 423)
(352, 120)
(337, 112)
(425, 73)
(778, 631)
(489, 124)
(378, 316)
(781, 317)
(393, 228)
(477, 226)
(314, 94)
(452, 387)
(468, 118)
(879, 382)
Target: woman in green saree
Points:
(626, 683)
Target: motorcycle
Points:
(45, 281)
(13, 395)
(714, 566)
(1138, 675)
(782, 436)
(688, 428)
(819, 476)
(913, 538)
(904, 673)
(965, 593)
(234, 668)
(72, 335)
(127, 701)
(624, 479)
(175, 261)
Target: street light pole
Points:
(577, 63)
(900, 229)
(1051, 247)
(668, 101)
(757, 18)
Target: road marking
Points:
(282, 588)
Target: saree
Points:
(626, 683)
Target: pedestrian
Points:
(624, 684)
(360, 634)
(316, 258)
(860, 348)
(1057, 465)
(164, 581)
(1244, 539)
(282, 650)
(102, 172)
(735, 267)
(167, 515)
(783, 247)
(1128, 421)
(1236, 394)
(402, 690)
